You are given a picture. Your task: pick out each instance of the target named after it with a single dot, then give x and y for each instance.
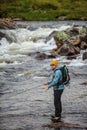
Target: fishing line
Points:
(25, 91)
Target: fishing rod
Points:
(23, 92)
(29, 89)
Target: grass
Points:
(44, 9)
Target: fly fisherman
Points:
(58, 89)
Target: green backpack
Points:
(65, 76)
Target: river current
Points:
(24, 105)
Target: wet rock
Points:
(77, 49)
(8, 61)
(42, 56)
(17, 19)
(22, 26)
(3, 35)
(56, 125)
(84, 57)
(76, 41)
(83, 45)
(67, 50)
(54, 33)
(62, 18)
(69, 42)
(84, 83)
(7, 23)
(71, 57)
(84, 38)
(31, 28)
(58, 44)
(74, 32)
(61, 37)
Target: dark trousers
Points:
(57, 102)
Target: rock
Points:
(58, 125)
(76, 41)
(67, 50)
(2, 35)
(84, 83)
(7, 23)
(62, 18)
(31, 28)
(8, 61)
(71, 57)
(84, 38)
(53, 34)
(42, 56)
(73, 31)
(83, 45)
(21, 26)
(77, 49)
(17, 19)
(58, 44)
(84, 57)
(61, 37)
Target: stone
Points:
(84, 57)
(67, 50)
(83, 45)
(7, 23)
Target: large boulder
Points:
(67, 50)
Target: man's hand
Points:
(46, 83)
(46, 89)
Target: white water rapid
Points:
(24, 42)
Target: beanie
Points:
(54, 62)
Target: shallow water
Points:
(26, 106)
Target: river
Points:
(24, 105)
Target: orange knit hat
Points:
(54, 62)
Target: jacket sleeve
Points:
(55, 79)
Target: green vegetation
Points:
(44, 9)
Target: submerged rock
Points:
(42, 56)
(84, 83)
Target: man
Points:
(58, 89)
